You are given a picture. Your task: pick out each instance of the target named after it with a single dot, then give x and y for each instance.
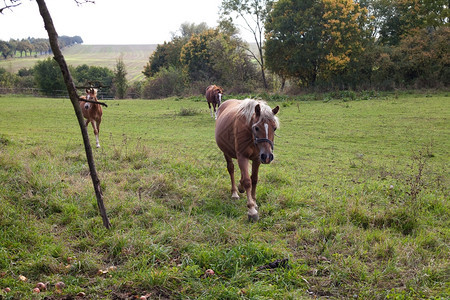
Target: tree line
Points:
(309, 44)
(314, 45)
(46, 76)
(38, 46)
(197, 57)
(359, 44)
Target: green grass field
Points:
(135, 58)
(356, 200)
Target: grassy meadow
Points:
(135, 57)
(356, 200)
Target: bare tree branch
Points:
(84, 1)
(8, 6)
(19, 2)
(253, 13)
(95, 102)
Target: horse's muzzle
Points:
(265, 156)
(266, 159)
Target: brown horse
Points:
(92, 112)
(214, 96)
(245, 131)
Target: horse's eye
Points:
(256, 128)
(275, 129)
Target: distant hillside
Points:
(135, 58)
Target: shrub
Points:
(167, 82)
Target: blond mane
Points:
(247, 108)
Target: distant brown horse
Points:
(92, 112)
(214, 96)
(245, 131)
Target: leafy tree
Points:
(42, 46)
(230, 63)
(65, 40)
(187, 30)
(254, 14)
(196, 57)
(47, 76)
(5, 49)
(165, 55)
(312, 39)
(168, 54)
(293, 39)
(212, 55)
(422, 58)
(13, 45)
(390, 20)
(83, 74)
(343, 35)
(120, 80)
(436, 13)
(24, 46)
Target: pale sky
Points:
(110, 21)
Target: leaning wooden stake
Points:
(53, 38)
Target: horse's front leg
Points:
(94, 125)
(255, 168)
(246, 183)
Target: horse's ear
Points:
(258, 110)
(275, 110)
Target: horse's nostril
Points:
(263, 157)
(271, 157)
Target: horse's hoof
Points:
(253, 218)
(235, 197)
(240, 189)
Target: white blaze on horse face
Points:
(266, 126)
(220, 98)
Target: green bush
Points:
(167, 82)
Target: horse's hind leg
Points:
(230, 168)
(210, 110)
